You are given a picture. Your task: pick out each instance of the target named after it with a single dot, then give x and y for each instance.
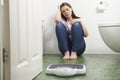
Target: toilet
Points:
(110, 34)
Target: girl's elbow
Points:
(57, 20)
(86, 35)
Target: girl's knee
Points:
(59, 25)
(76, 24)
(77, 27)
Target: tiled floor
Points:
(99, 67)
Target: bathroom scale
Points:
(66, 69)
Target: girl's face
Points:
(66, 11)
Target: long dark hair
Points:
(67, 4)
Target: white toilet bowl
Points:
(111, 35)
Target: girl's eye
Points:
(63, 11)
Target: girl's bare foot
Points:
(73, 56)
(66, 55)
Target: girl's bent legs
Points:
(78, 42)
(62, 37)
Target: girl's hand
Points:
(58, 16)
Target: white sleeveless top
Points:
(68, 27)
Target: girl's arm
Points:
(57, 17)
(85, 31)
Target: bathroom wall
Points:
(87, 10)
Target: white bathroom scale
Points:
(66, 69)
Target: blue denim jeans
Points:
(76, 44)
